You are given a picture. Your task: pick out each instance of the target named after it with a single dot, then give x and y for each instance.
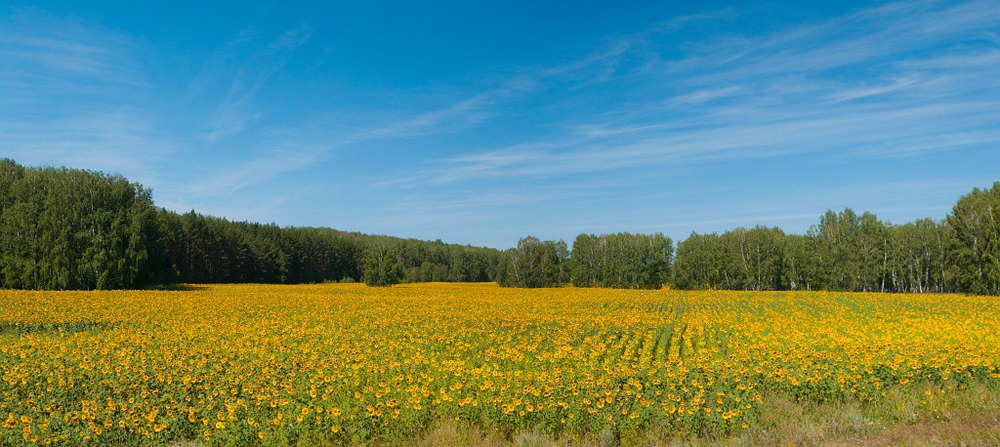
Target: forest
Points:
(843, 252)
(63, 229)
(70, 229)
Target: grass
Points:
(907, 417)
(962, 417)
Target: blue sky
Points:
(482, 122)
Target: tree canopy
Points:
(74, 229)
(64, 228)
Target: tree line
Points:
(844, 252)
(621, 260)
(66, 228)
(851, 252)
(72, 229)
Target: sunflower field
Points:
(336, 364)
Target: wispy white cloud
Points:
(462, 112)
(883, 85)
(808, 89)
(689, 20)
(319, 136)
(864, 92)
(795, 211)
(115, 140)
(315, 139)
(847, 91)
(73, 95)
(706, 95)
(280, 150)
(237, 108)
(33, 43)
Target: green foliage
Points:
(72, 229)
(800, 269)
(976, 223)
(380, 263)
(534, 263)
(205, 249)
(845, 251)
(918, 258)
(854, 250)
(435, 261)
(66, 228)
(739, 259)
(622, 260)
(696, 267)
